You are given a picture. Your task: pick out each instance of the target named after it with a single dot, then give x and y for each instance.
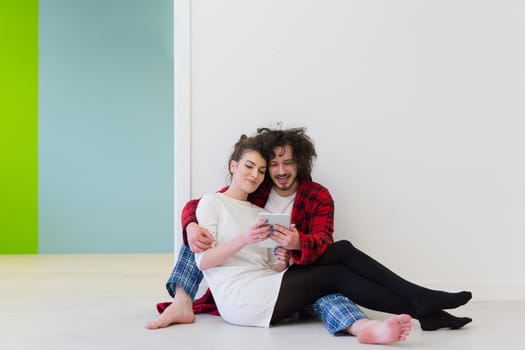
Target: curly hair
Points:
(302, 146)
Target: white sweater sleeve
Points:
(208, 217)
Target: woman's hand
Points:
(257, 233)
(282, 254)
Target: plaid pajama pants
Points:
(337, 311)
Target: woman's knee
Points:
(337, 253)
(342, 247)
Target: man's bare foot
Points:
(175, 313)
(391, 330)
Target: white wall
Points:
(415, 107)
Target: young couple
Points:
(253, 286)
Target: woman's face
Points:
(248, 172)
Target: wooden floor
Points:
(103, 301)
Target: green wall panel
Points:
(18, 126)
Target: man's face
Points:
(283, 171)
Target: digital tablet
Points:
(274, 219)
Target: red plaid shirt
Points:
(312, 213)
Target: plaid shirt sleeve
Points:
(313, 214)
(188, 216)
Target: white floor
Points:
(103, 302)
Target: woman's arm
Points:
(219, 254)
(208, 214)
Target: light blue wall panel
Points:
(105, 126)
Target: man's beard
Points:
(286, 186)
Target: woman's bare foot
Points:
(173, 314)
(180, 311)
(391, 330)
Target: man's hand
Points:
(286, 238)
(199, 238)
